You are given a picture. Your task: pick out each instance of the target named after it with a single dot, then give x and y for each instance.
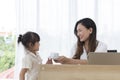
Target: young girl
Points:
(31, 60)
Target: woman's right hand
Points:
(61, 59)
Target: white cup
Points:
(54, 55)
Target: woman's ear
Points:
(91, 30)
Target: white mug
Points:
(54, 55)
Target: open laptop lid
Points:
(104, 58)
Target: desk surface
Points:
(79, 72)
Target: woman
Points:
(85, 31)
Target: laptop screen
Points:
(104, 58)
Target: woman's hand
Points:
(61, 59)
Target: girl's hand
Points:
(49, 61)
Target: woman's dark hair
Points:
(28, 37)
(88, 23)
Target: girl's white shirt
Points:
(31, 61)
(102, 47)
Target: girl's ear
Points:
(30, 45)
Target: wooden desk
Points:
(79, 72)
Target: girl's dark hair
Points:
(28, 37)
(88, 23)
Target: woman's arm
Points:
(22, 73)
(65, 60)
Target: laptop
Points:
(103, 58)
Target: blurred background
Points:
(54, 21)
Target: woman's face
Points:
(83, 33)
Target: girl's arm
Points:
(22, 73)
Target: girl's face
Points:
(35, 47)
(83, 33)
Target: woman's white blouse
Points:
(102, 47)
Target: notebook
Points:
(104, 58)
